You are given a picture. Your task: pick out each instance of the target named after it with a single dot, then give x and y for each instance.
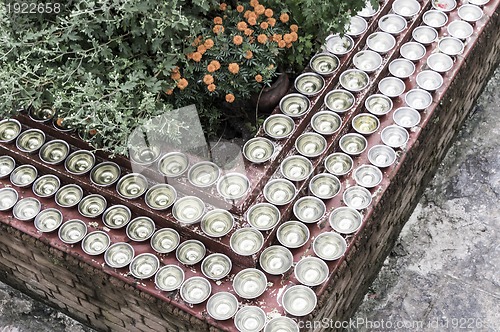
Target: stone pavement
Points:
(443, 273)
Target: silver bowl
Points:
(309, 209)
(429, 80)
(276, 260)
(250, 319)
(381, 42)
(105, 174)
(61, 125)
(222, 306)
(145, 155)
(165, 240)
(345, 220)
(217, 223)
(116, 216)
(26, 209)
(249, 283)
(451, 46)
(295, 105)
(72, 231)
(310, 144)
(203, 174)
(470, 13)
(79, 162)
(339, 45)
(48, 220)
(401, 68)
(309, 84)
(311, 271)
(338, 163)
(324, 63)
(296, 168)
(406, 117)
(7, 165)
(299, 300)
(173, 164)
(119, 255)
(216, 266)
(324, 185)
(161, 196)
(444, 5)
(378, 104)
(435, 18)
(357, 26)
(246, 241)
(132, 185)
(140, 228)
(54, 152)
(406, 8)
(353, 144)
(92, 206)
(339, 101)
(365, 123)
(367, 61)
(391, 87)
(279, 126)
(460, 29)
(144, 266)
(23, 175)
(169, 278)
(195, 290)
(392, 23)
(381, 155)
(418, 99)
(188, 209)
(233, 186)
(367, 176)
(293, 234)
(69, 195)
(8, 198)
(394, 136)
(425, 35)
(29, 141)
(368, 10)
(263, 216)
(258, 150)
(326, 122)
(43, 114)
(478, 2)
(412, 51)
(95, 243)
(9, 130)
(46, 185)
(279, 191)
(190, 252)
(354, 80)
(440, 62)
(329, 246)
(357, 197)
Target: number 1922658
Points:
(33, 8)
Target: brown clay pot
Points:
(271, 95)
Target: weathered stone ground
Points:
(443, 273)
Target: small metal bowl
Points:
(299, 300)
(368, 11)
(72, 231)
(43, 114)
(392, 23)
(279, 191)
(282, 324)
(7, 165)
(435, 18)
(353, 144)
(169, 278)
(246, 241)
(116, 216)
(309, 209)
(233, 186)
(173, 164)
(367, 61)
(54, 152)
(160, 196)
(203, 174)
(293, 234)
(132, 185)
(339, 45)
(357, 197)
(119, 255)
(451, 46)
(381, 155)
(309, 84)
(354, 80)
(378, 104)
(418, 99)
(79, 162)
(61, 125)
(26, 209)
(69, 195)
(391, 87)
(367, 176)
(48, 220)
(365, 123)
(165, 240)
(250, 319)
(401, 68)
(279, 126)
(8, 198)
(444, 5)
(470, 13)
(30, 141)
(324, 64)
(394, 136)
(263, 216)
(429, 80)
(276, 260)
(217, 223)
(145, 155)
(195, 290)
(310, 144)
(216, 266)
(329, 246)
(140, 228)
(478, 2)
(250, 283)
(296, 168)
(406, 8)
(412, 51)
(381, 42)
(46, 185)
(338, 163)
(339, 101)
(311, 271)
(357, 26)
(326, 122)
(440, 62)
(95, 243)
(424, 35)
(345, 220)
(105, 174)
(188, 210)
(9, 130)
(222, 306)
(23, 175)
(460, 29)
(190, 252)
(295, 105)
(324, 185)
(92, 206)
(258, 150)
(144, 266)
(406, 117)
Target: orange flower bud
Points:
(208, 79)
(262, 38)
(240, 8)
(234, 68)
(258, 78)
(211, 68)
(284, 17)
(182, 84)
(218, 29)
(211, 87)
(252, 20)
(281, 44)
(201, 49)
(197, 56)
(223, 6)
(294, 27)
(209, 43)
(237, 40)
(271, 21)
(248, 55)
(264, 25)
(241, 26)
(216, 64)
(218, 20)
(268, 12)
(248, 32)
(229, 97)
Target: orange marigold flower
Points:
(284, 17)
(209, 43)
(294, 35)
(197, 56)
(240, 8)
(175, 75)
(211, 87)
(289, 45)
(258, 78)
(248, 54)
(247, 14)
(223, 6)
(182, 84)
(211, 68)
(208, 79)
(234, 68)
(237, 40)
(248, 32)
(287, 38)
(201, 49)
(241, 26)
(229, 97)
(268, 12)
(218, 20)
(92, 132)
(259, 9)
(262, 38)
(271, 21)
(281, 44)
(216, 64)
(252, 20)
(189, 56)
(169, 92)
(264, 25)
(277, 37)
(294, 27)
(197, 41)
(254, 3)
(218, 29)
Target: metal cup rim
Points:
(241, 274)
(316, 201)
(435, 12)
(309, 74)
(12, 161)
(198, 201)
(209, 214)
(455, 40)
(242, 312)
(298, 158)
(227, 177)
(392, 16)
(349, 72)
(348, 49)
(295, 95)
(323, 175)
(445, 10)
(216, 169)
(372, 168)
(424, 27)
(381, 34)
(43, 177)
(385, 147)
(367, 53)
(359, 136)
(278, 116)
(159, 232)
(325, 54)
(328, 114)
(291, 322)
(26, 200)
(316, 136)
(382, 87)
(205, 261)
(359, 33)
(414, 91)
(394, 62)
(369, 115)
(408, 15)
(341, 91)
(272, 207)
(195, 280)
(429, 72)
(343, 155)
(286, 182)
(197, 243)
(214, 298)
